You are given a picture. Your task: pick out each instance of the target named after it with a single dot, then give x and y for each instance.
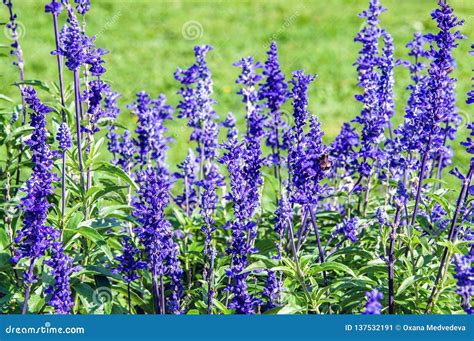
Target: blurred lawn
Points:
(146, 43)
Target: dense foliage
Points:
(267, 219)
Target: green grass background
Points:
(146, 43)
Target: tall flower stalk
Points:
(208, 204)
(73, 46)
(129, 265)
(243, 161)
(197, 107)
(446, 41)
(61, 268)
(155, 235)
(64, 142)
(373, 116)
(460, 204)
(408, 132)
(35, 237)
(154, 231)
(274, 92)
(439, 87)
(64, 137)
(241, 226)
(305, 156)
(18, 52)
(400, 201)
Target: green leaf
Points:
(407, 282)
(18, 133)
(290, 309)
(179, 216)
(258, 265)
(5, 98)
(5, 263)
(222, 308)
(116, 172)
(101, 223)
(440, 200)
(89, 233)
(435, 181)
(332, 266)
(85, 293)
(36, 303)
(95, 237)
(97, 192)
(35, 82)
(424, 223)
(192, 312)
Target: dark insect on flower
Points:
(448, 68)
(325, 163)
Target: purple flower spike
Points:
(123, 149)
(442, 97)
(152, 141)
(375, 78)
(35, 238)
(463, 266)
(299, 95)
(54, 8)
(470, 94)
(284, 215)
(244, 196)
(308, 166)
(271, 290)
(62, 268)
(196, 104)
(342, 150)
(249, 79)
(155, 233)
(373, 305)
(83, 6)
(64, 137)
(349, 228)
(469, 143)
(74, 44)
(189, 168)
(129, 261)
(274, 92)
